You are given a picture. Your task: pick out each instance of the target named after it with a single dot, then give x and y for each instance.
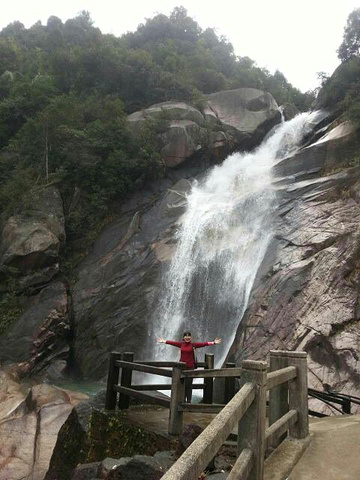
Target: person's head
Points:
(187, 336)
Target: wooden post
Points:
(298, 394)
(229, 384)
(113, 379)
(126, 376)
(278, 396)
(209, 382)
(251, 429)
(177, 396)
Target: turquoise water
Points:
(89, 388)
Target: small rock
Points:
(139, 467)
(189, 433)
(87, 471)
(109, 464)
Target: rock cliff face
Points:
(40, 338)
(118, 282)
(309, 298)
(306, 294)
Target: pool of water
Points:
(89, 388)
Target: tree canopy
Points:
(65, 91)
(342, 89)
(350, 45)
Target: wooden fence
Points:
(286, 382)
(122, 385)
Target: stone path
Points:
(334, 450)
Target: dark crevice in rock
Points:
(302, 337)
(36, 438)
(71, 367)
(337, 328)
(321, 351)
(316, 376)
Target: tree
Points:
(351, 40)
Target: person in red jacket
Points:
(187, 356)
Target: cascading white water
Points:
(223, 238)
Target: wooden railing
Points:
(336, 401)
(246, 410)
(122, 385)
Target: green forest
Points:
(66, 90)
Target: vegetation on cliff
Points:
(341, 91)
(65, 91)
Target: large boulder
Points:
(181, 133)
(289, 111)
(247, 112)
(31, 241)
(235, 119)
(90, 435)
(40, 337)
(168, 111)
(182, 139)
(29, 425)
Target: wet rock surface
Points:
(307, 292)
(308, 296)
(40, 338)
(118, 283)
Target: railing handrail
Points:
(164, 402)
(160, 363)
(336, 395)
(164, 386)
(214, 373)
(141, 367)
(278, 377)
(280, 426)
(205, 446)
(328, 402)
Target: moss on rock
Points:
(110, 435)
(103, 434)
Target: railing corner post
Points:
(126, 377)
(113, 379)
(251, 429)
(298, 394)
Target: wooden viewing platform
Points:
(285, 378)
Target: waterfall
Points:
(222, 239)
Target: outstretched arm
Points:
(206, 344)
(168, 342)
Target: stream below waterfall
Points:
(221, 243)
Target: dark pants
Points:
(188, 387)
